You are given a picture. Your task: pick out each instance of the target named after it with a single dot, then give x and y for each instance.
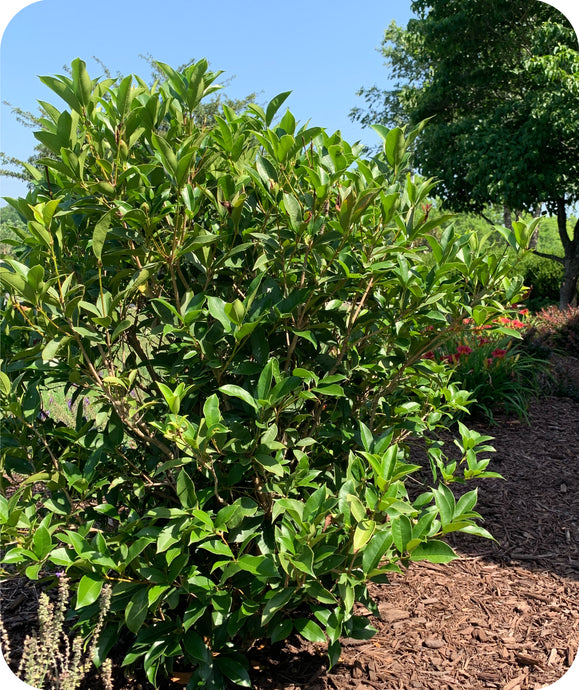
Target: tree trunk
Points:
(507, 218)
(535, 236)
(568, 291)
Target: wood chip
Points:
(390, 614)
(487, 675)
(515, 682)
(434, 642)
(352, 642)
(528, 660)
(16, 603)
(539, 597)
(481, 635)
(532, 556)
(181, 677)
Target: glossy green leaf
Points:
(309, 629)
(81, 81)
(281, 630)
(5, 385)
(167, 155)
(334, 390)
(274, 105)
(89, 589)
(375, 550)
(186, 490)
(136, 610)
(53, 346)
(121, 327)
(401, 532)
(100, 233)
(266, 170)
(234, 670)
(435, 551)
(241, 393)
(275, 603)
(363, 533)
(42, 542)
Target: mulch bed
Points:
(506, 615)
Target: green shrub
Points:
(543, 277)
(245, 309)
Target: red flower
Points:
(498, 353)
(428, 355)
(463, 350)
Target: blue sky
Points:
(322, 51)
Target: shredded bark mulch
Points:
(505, 615)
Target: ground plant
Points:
(239, 316)
(49, 658)
(499, 369)
(555, 330)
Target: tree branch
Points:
(553, 257)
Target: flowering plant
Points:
(556, 329)
(489, 360)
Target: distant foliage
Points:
(557, 329)
(9, 219)
(245, 310)
(499, 82)
(543, 277)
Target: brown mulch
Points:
(505, 615)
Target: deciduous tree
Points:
(500, 80)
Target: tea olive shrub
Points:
(246, 309)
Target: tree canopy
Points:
(500, 81)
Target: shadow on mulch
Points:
(533, 512)
(506, 615)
